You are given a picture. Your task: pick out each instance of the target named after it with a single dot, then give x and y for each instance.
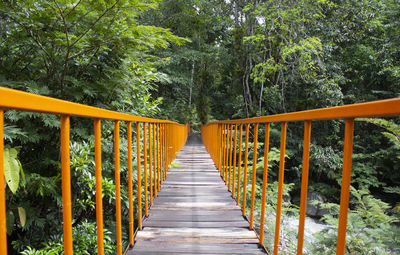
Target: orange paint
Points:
(345, 192)
(139, 175)
(117, 187)
(151, 164)
(99, 196)
(3, 223)
(264, 185)
(230, 157)
(304, 186)
(280, 186)
(239, 164)
(246, 155)
(66, 185)
(146, 207)
(130, 185)
(234, 162)
(253, 180)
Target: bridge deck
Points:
(194, 213)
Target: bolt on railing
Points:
(165, 138)
(217, 137)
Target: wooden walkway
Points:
(194, 213)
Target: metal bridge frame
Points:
(165, 138)
(217, 137)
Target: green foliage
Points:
(392, 133)
(196, 61)
(394, 190)
(288, 241)
(96, 53)
(325, 161)
(370, 228)
(12, 132)
(83, 177)
(85, 242)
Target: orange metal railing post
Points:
(151, 164)
(253, 181)
(139, 176)
(220, 142)
(3, 222)
(161, 154)
(345, 191)
(239, 164)
(167, 145)
(264, 185)
(222, 170)
(155, 160)
(246, 155)
(130, 185)
(117, 187)
(158, 157)
(99, 196)
(165, 150)
(230, 157)
(226, 151)
(146, 207)
(304, 185)
(66, 185)
(226, 130)
(234, 162)
(280, 186)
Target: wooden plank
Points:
(197, 218)
(195, 224)
(202, 212)
(194, 206)
(200, 251)
(199, 177)
(196, 248)
(190, 193)
(200, 232)
(193, 183)
(168, 245)
(203, 199)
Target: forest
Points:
(197, 61)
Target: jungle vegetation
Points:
(197, 61)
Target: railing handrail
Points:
(217, 137)
(165, 138)
(18, 100)
(380, 108)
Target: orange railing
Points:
(165, 138)
(217, 137)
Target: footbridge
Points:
(193, 194)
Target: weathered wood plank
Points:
(196, 248)
(195, 224)
(209, 213)
(203, 199)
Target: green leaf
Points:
(10, 222)
(22, 216)
(11, 168)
